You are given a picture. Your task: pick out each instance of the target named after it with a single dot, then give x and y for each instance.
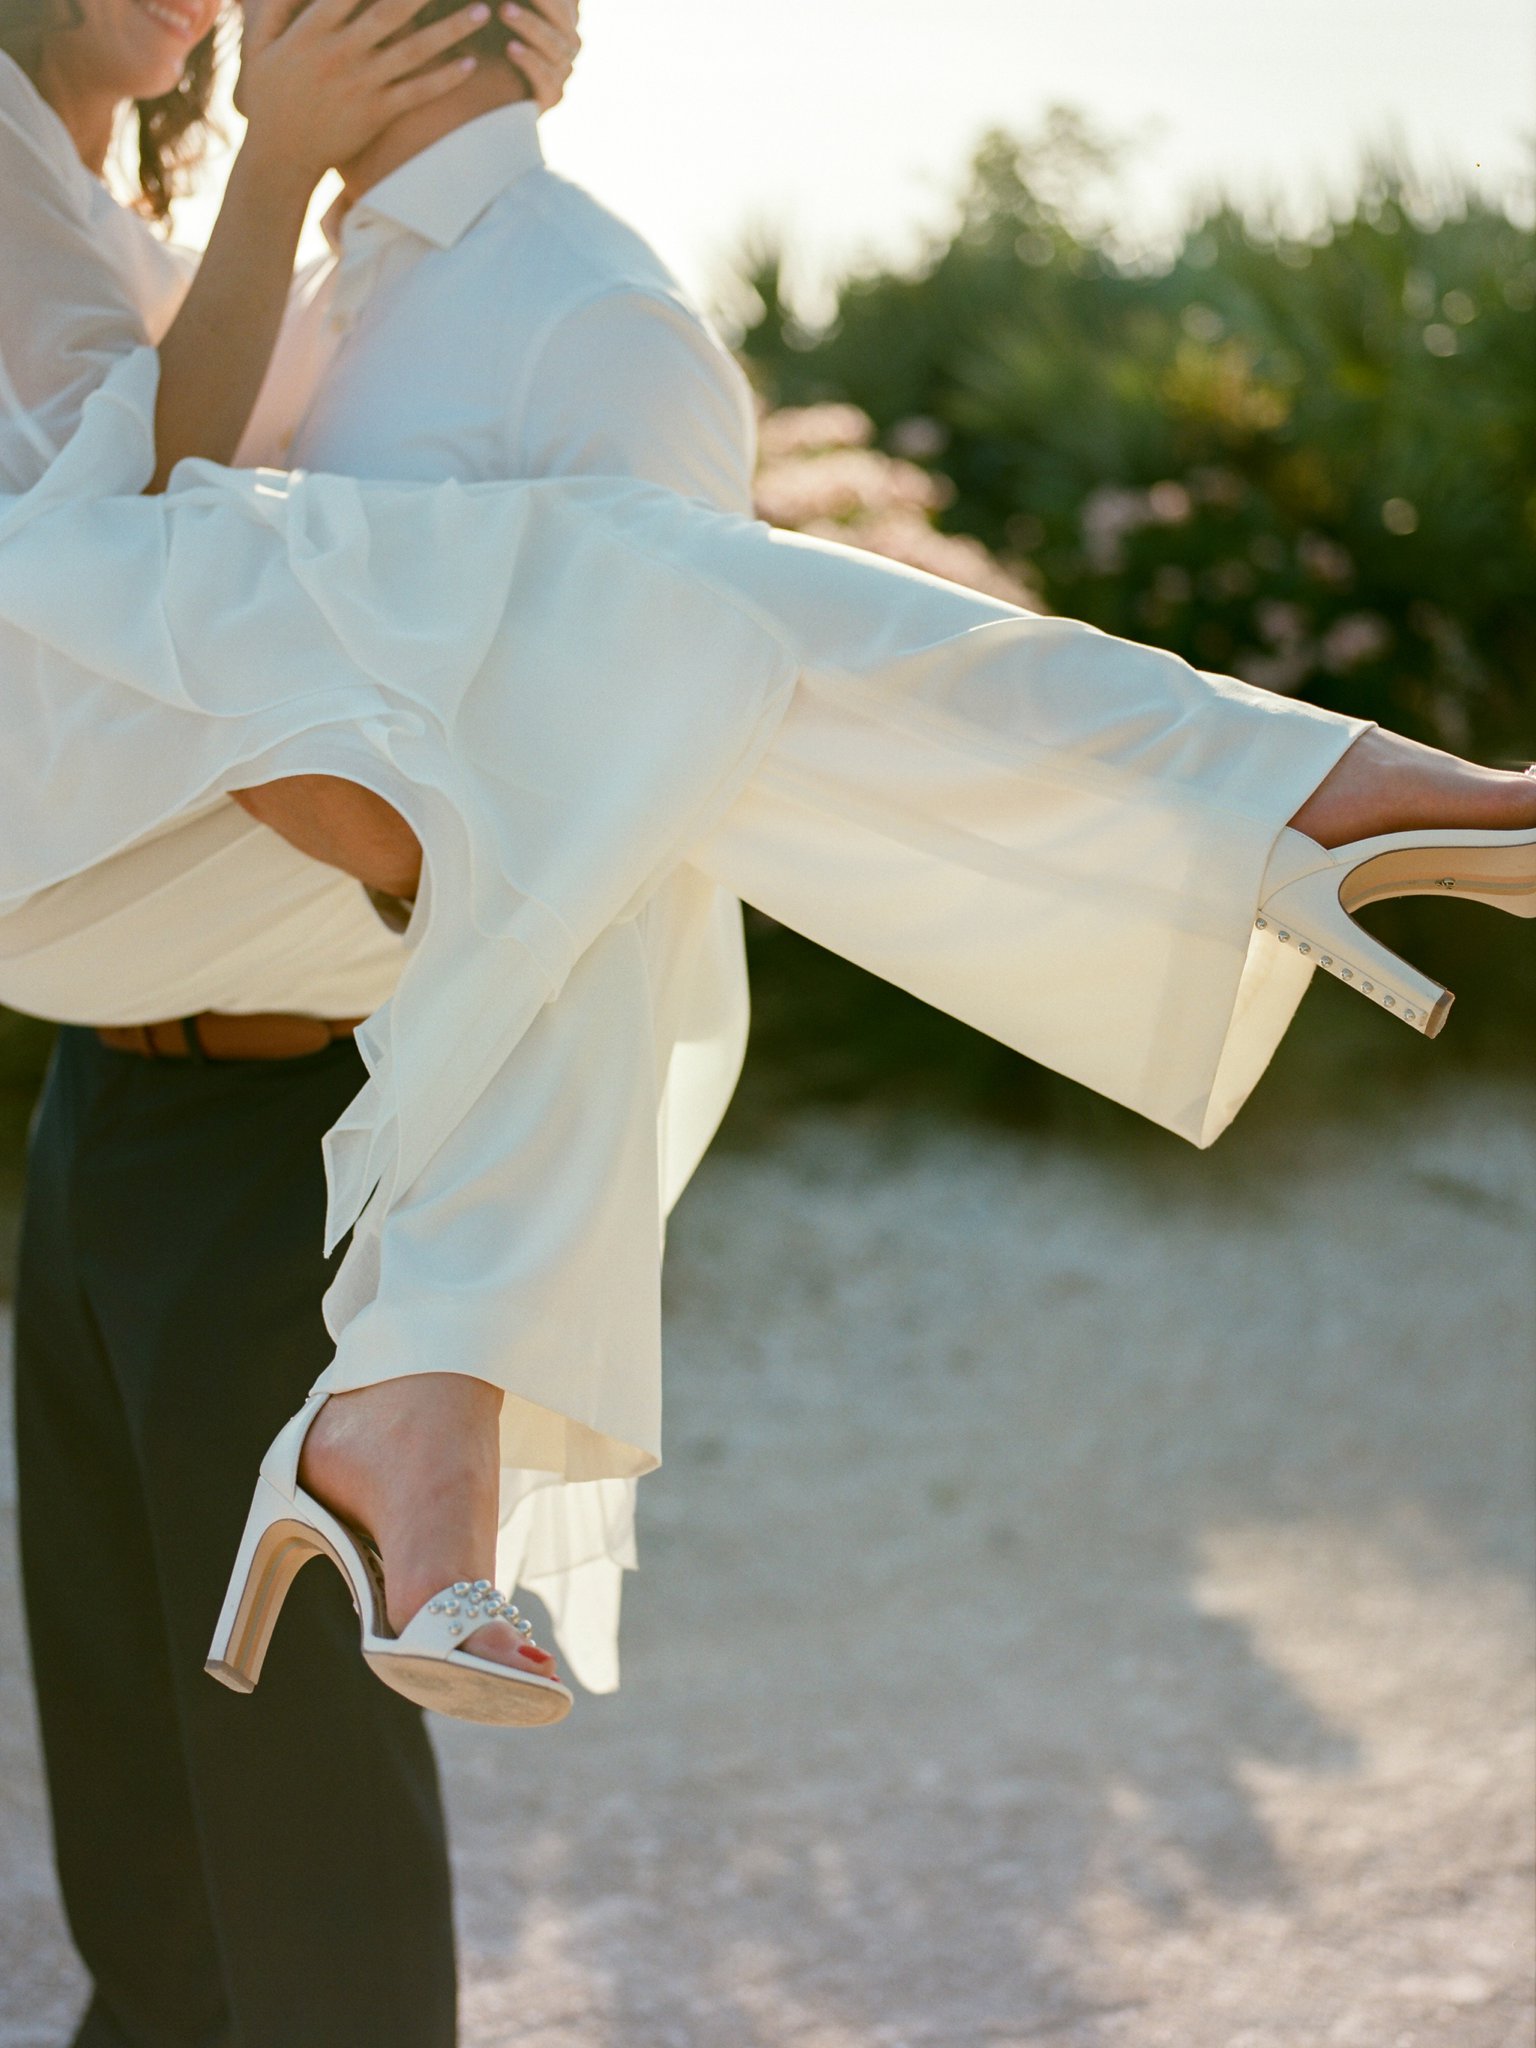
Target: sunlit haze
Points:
(846, 124)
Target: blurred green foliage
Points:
(1310, 462)
(23, 1053)
(24, 1047)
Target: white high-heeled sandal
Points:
(1310, 894)
(286, 1527)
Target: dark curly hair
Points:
(173, 130)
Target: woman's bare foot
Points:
(1389, 784)
(415, 1464)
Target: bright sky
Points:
(848, 122)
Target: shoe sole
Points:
(473, 1690)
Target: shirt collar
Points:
(441, 193)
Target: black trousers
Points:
(262, 1872)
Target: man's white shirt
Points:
(477, 317)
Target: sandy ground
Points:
(1088, 1603)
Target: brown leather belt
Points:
(213, 1036)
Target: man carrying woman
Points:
(573, 698)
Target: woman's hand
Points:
(545, 45)
(317, 89)
(319, 83)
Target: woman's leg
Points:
(417, 1463)
(343, 825)
(1388, 784)
(1385, 783)
(414, 1460)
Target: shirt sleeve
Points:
(65, 315)
(632, 384)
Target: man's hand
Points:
(343, 825)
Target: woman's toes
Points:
(499, 1643)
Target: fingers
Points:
(262, 20)
(424, 86)
(378, 24)
(544, 49)
(276, 17)
(426, 45)
(321, 17)
(262, 23)
(546, 85)
(556, 43)
(561, 16)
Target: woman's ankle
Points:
(414, 1464)
(1386, 783)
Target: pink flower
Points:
(1107, 516)
(1354, 640)
(843, 483)
(1169, 504)
(919, 439)
(957, 557)
(821, 476)
(1223, 488)
(1325, 560)
(1283, 625)
(811, 429)
(1284, 673)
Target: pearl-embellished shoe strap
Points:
(447, 1621)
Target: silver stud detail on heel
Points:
(1355, 978)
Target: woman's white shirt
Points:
(217, 912)
(89, 281)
